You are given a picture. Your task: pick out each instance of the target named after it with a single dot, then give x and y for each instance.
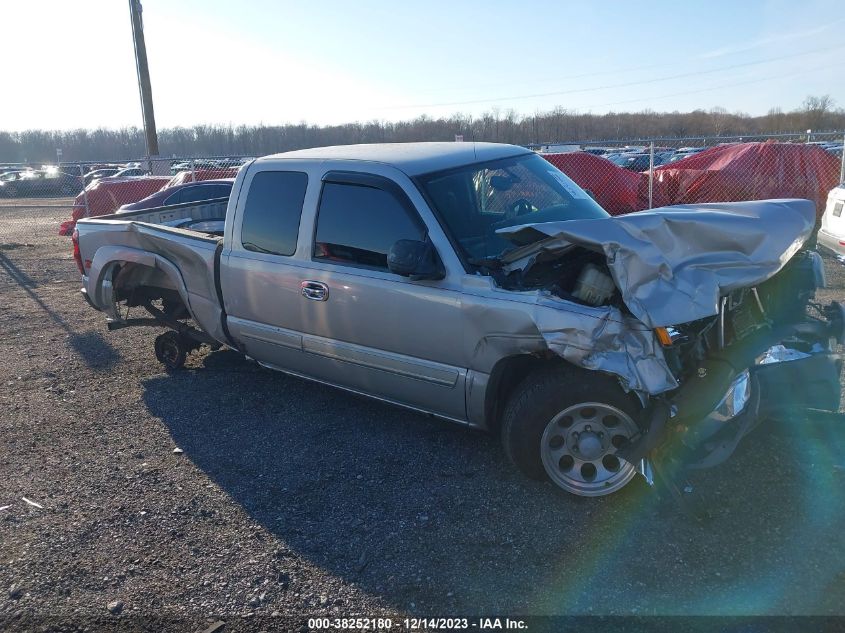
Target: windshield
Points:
(477, 200)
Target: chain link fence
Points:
(638, 174)
(624, 176)
(39, 197)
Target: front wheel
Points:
(566, 424)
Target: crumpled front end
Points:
(674, 265)
(710, 317)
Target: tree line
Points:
(557, 125)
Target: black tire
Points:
(543, 394)
(171, 350)
(11, 191)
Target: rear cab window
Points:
(272, 212)
(358, 223)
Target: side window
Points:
(219, 191)
(176, 198)
(837, 209)
(357, 225)
(271, 215)
(204, 192)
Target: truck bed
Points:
(206, 210)
(175, 258)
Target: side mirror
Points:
(415, 259)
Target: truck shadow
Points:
(94, 350)
(432, 518)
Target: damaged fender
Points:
(604, 339)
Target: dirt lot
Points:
(294, 498)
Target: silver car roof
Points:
(412, 158)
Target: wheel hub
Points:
(578, 449)
(588, 445)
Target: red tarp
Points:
(202, 174)
(726, 173)
(751, 171)
(617, 190)
(106, 196)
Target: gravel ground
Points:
(290, 498)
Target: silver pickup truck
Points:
(477, 283)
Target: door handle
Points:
(315, 290)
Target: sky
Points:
(70, 64)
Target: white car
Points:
(832, 231)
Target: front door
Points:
(368, 329)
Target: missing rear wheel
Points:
(171, 350)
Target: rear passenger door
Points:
(260, 276)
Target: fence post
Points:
(193, 172)
(651, 175)
(842, 164)
(84, 190)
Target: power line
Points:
(620, 85)
(629, 69)
(803, 71)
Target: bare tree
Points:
(557, 125)
(816, 110)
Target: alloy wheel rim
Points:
(578, 449)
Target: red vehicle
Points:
(106, 196)
(725, 173)
(750, 171)
(617, 190)
(203, 174)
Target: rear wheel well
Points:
(507, 374)
(138, 283)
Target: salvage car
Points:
(39, 182)
(831, 236)
(129, 172)
(178, 194)
(105, 196)
(96, 174)
(198, 175)
(477, 283)
(636, 162)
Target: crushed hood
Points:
(674, 263)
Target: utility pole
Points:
(144, 80)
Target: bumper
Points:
(831, 243)
(736, 388)
(785, 380)
(84, 292)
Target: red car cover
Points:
(617, 190)
(202, 174)
(750, 171)
(725, 173)
(106, 196)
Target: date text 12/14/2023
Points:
(417, 624)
